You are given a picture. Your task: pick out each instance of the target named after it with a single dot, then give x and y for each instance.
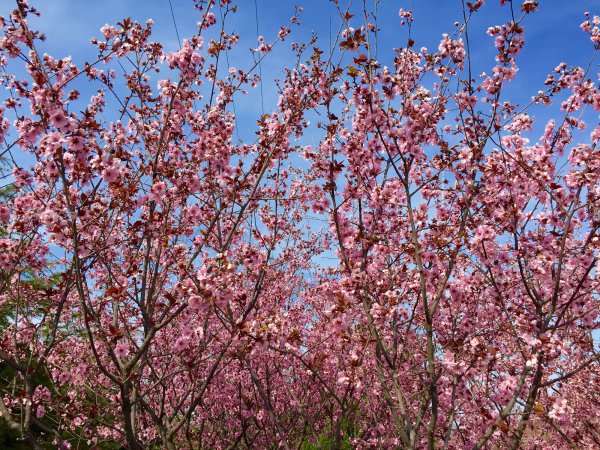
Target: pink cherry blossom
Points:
(111, 174)
(121, 350)
(402, 256)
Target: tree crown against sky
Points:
(395, 245)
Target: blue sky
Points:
(552, 34)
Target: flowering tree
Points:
(162, 280)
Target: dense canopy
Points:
(402, 257)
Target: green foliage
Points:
(325, 442)
(333, 438)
